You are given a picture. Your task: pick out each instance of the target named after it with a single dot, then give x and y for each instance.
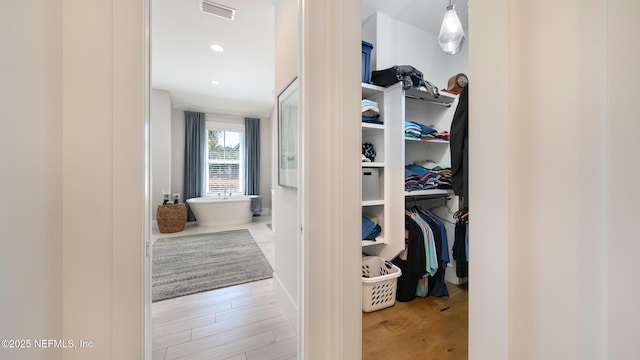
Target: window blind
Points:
(224, 166)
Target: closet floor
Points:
(424, 328)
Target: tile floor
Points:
(239, 322)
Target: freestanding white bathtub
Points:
(218, 211)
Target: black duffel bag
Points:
(407, 74)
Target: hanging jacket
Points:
(459, 144)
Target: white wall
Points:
(31, 177)
(623, 58)
(68, 220)
(286, 208)
(571, 235)
(266, 163)
(161, 158)
(370, 34)
(103, 177)
(331, 290)
(177, 150)
(489, 303)
(568, 247)
(458, 63)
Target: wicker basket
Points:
(171, 218)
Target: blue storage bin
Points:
(366, 61)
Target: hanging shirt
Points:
(438, 226)
(429, 243)
(436, 285)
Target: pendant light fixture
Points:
(451, 35)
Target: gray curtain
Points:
(252, 156)
(252, 163)
(194, 161)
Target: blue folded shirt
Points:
(369, 229)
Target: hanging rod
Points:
(447, 104)
(427, 196)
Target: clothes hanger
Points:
(462, 215)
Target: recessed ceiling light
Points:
(213, 82)
(217, 48)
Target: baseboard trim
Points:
(286, 302)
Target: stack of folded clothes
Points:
(414, 130)
(370, 112)
(426, 175)
(370, 228)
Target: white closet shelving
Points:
(394, 151)
(436, 112)
(374, 173)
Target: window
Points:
(225, 168)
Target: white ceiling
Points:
(424, 14)
(183, 63)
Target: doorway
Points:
(436, 313)
(201, 62)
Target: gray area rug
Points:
(190, 264)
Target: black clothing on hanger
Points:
(460, 249)
(437, 286)
(459, 144)
(415, 266)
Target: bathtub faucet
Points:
(227, 193)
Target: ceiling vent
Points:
(209, 7)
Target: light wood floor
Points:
(245, 322)
(426, 328)
(239, 322)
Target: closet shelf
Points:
(379, 240)
(372, 202)
(369, 90)
(418, 94)
(427, 193)
(434, 141)
(372, 164)
(366, 125)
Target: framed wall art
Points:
(288, 142)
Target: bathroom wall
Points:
(286, 209)
(177, 151)
(266, 160)
(161, 127)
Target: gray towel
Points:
(256, 205)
